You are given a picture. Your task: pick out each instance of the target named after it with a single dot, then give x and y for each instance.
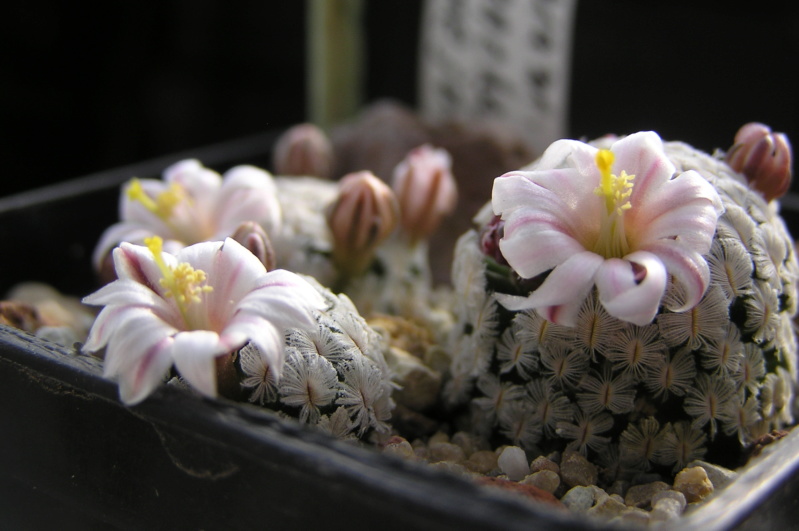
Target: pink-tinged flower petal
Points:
(263, 335)
(548, 218)
(135, 331)
(688, 267)
(199, 182)
(121, 232)
(194, 353)
(558, 192)
(626, 295)
(284, 299)
(535, 246)
(127, 292)
(642, 154)
(687, 207)
(247, 194)
(568, 153)
(146, 371)
(135, 262)
(559, 298)
(235, 270)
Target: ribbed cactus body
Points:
(689, 384)
(335, 376)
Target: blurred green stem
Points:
(335, 60)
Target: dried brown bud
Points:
(425, 189)
(363, 216)
(303, 149)
(253, 237)
(20, 315)
(764, 158)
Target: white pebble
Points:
(513, 462)
(666, 509)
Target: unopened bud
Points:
(425, 189)
(253, 237)
(490, 235)
(304, 149)
(363, 216)
(764, 158)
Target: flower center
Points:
(616, 191)
(182, 282)
(164, 203)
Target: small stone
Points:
(665, 509)
(619, 487)
(465, 441)
(399, 447)
(641, 495)
(420, 449)
(693, 483)
(445, 451)
(543, 463)
(719, 476)
(633, 516)
(576, 470)
(607, 507)
(543, 479)
(438, 436)
(482, 462)
(670, 494)
(618, 497)
(513, 462)
(579, 499)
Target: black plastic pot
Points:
(72, 455)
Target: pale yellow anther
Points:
(181, 282)
(164, 203)
(616, 191)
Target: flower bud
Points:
(425, 189)
(363, 216)
(764, 158)
(490, 235)
(304, 149)
(253, 237)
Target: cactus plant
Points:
(671, 343)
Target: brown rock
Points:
(544, 463)
(576, 470)
(482, 462)
(641, 495)
(693, 483)
(19, 315)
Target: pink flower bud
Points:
(253, 238)
(364, 215)
(303, 149)
(490, 235)
(764, 158)
(425, 189)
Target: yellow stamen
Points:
(616, 190)
(164, 203)
(182, 282)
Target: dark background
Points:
(87, 86)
